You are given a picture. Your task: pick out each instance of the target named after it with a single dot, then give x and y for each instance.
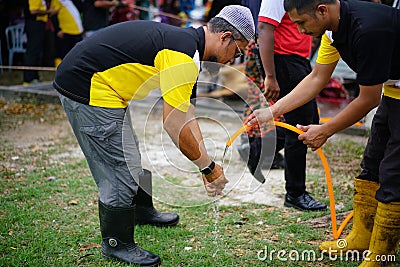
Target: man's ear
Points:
(226, 35)
(322, 9)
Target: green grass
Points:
(40, 226)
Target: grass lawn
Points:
(48, 214)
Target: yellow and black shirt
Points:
(126, 61)
(35, 5)
(68, 18)
(371, 47)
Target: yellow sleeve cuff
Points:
(327, 54)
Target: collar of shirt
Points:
(201, 42)
(340, 36)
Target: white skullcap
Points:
(239, 17)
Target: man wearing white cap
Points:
(125, 62)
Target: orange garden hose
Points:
(336, 231)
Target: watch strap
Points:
(208, 170)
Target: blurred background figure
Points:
(144, 13)
(124, 11)
(215, 6)
(68, 28)
(188, 6)
(96, 14)
(37, 13)
(175, 16)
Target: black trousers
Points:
(381, 161)
(35, 31)
(290, 70)
(65, 44)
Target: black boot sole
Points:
(170, 224)
(111, 258)
(290, 205)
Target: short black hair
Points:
(304, 6)
(217, 24)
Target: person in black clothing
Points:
(36, 16)
(367, 37)
(96, 14)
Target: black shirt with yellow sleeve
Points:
(368, 40)
(126, 61)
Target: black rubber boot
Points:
(145, 211)
(117, 230)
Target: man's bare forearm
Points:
(185, 133)
(105, 3)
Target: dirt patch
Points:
(176, 180)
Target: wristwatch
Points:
(208, 170)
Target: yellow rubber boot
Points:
(364, 209)
(385, 236)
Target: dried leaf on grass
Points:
(3, 102)
(89, 246)
(73, 202)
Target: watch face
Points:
(208, 170)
